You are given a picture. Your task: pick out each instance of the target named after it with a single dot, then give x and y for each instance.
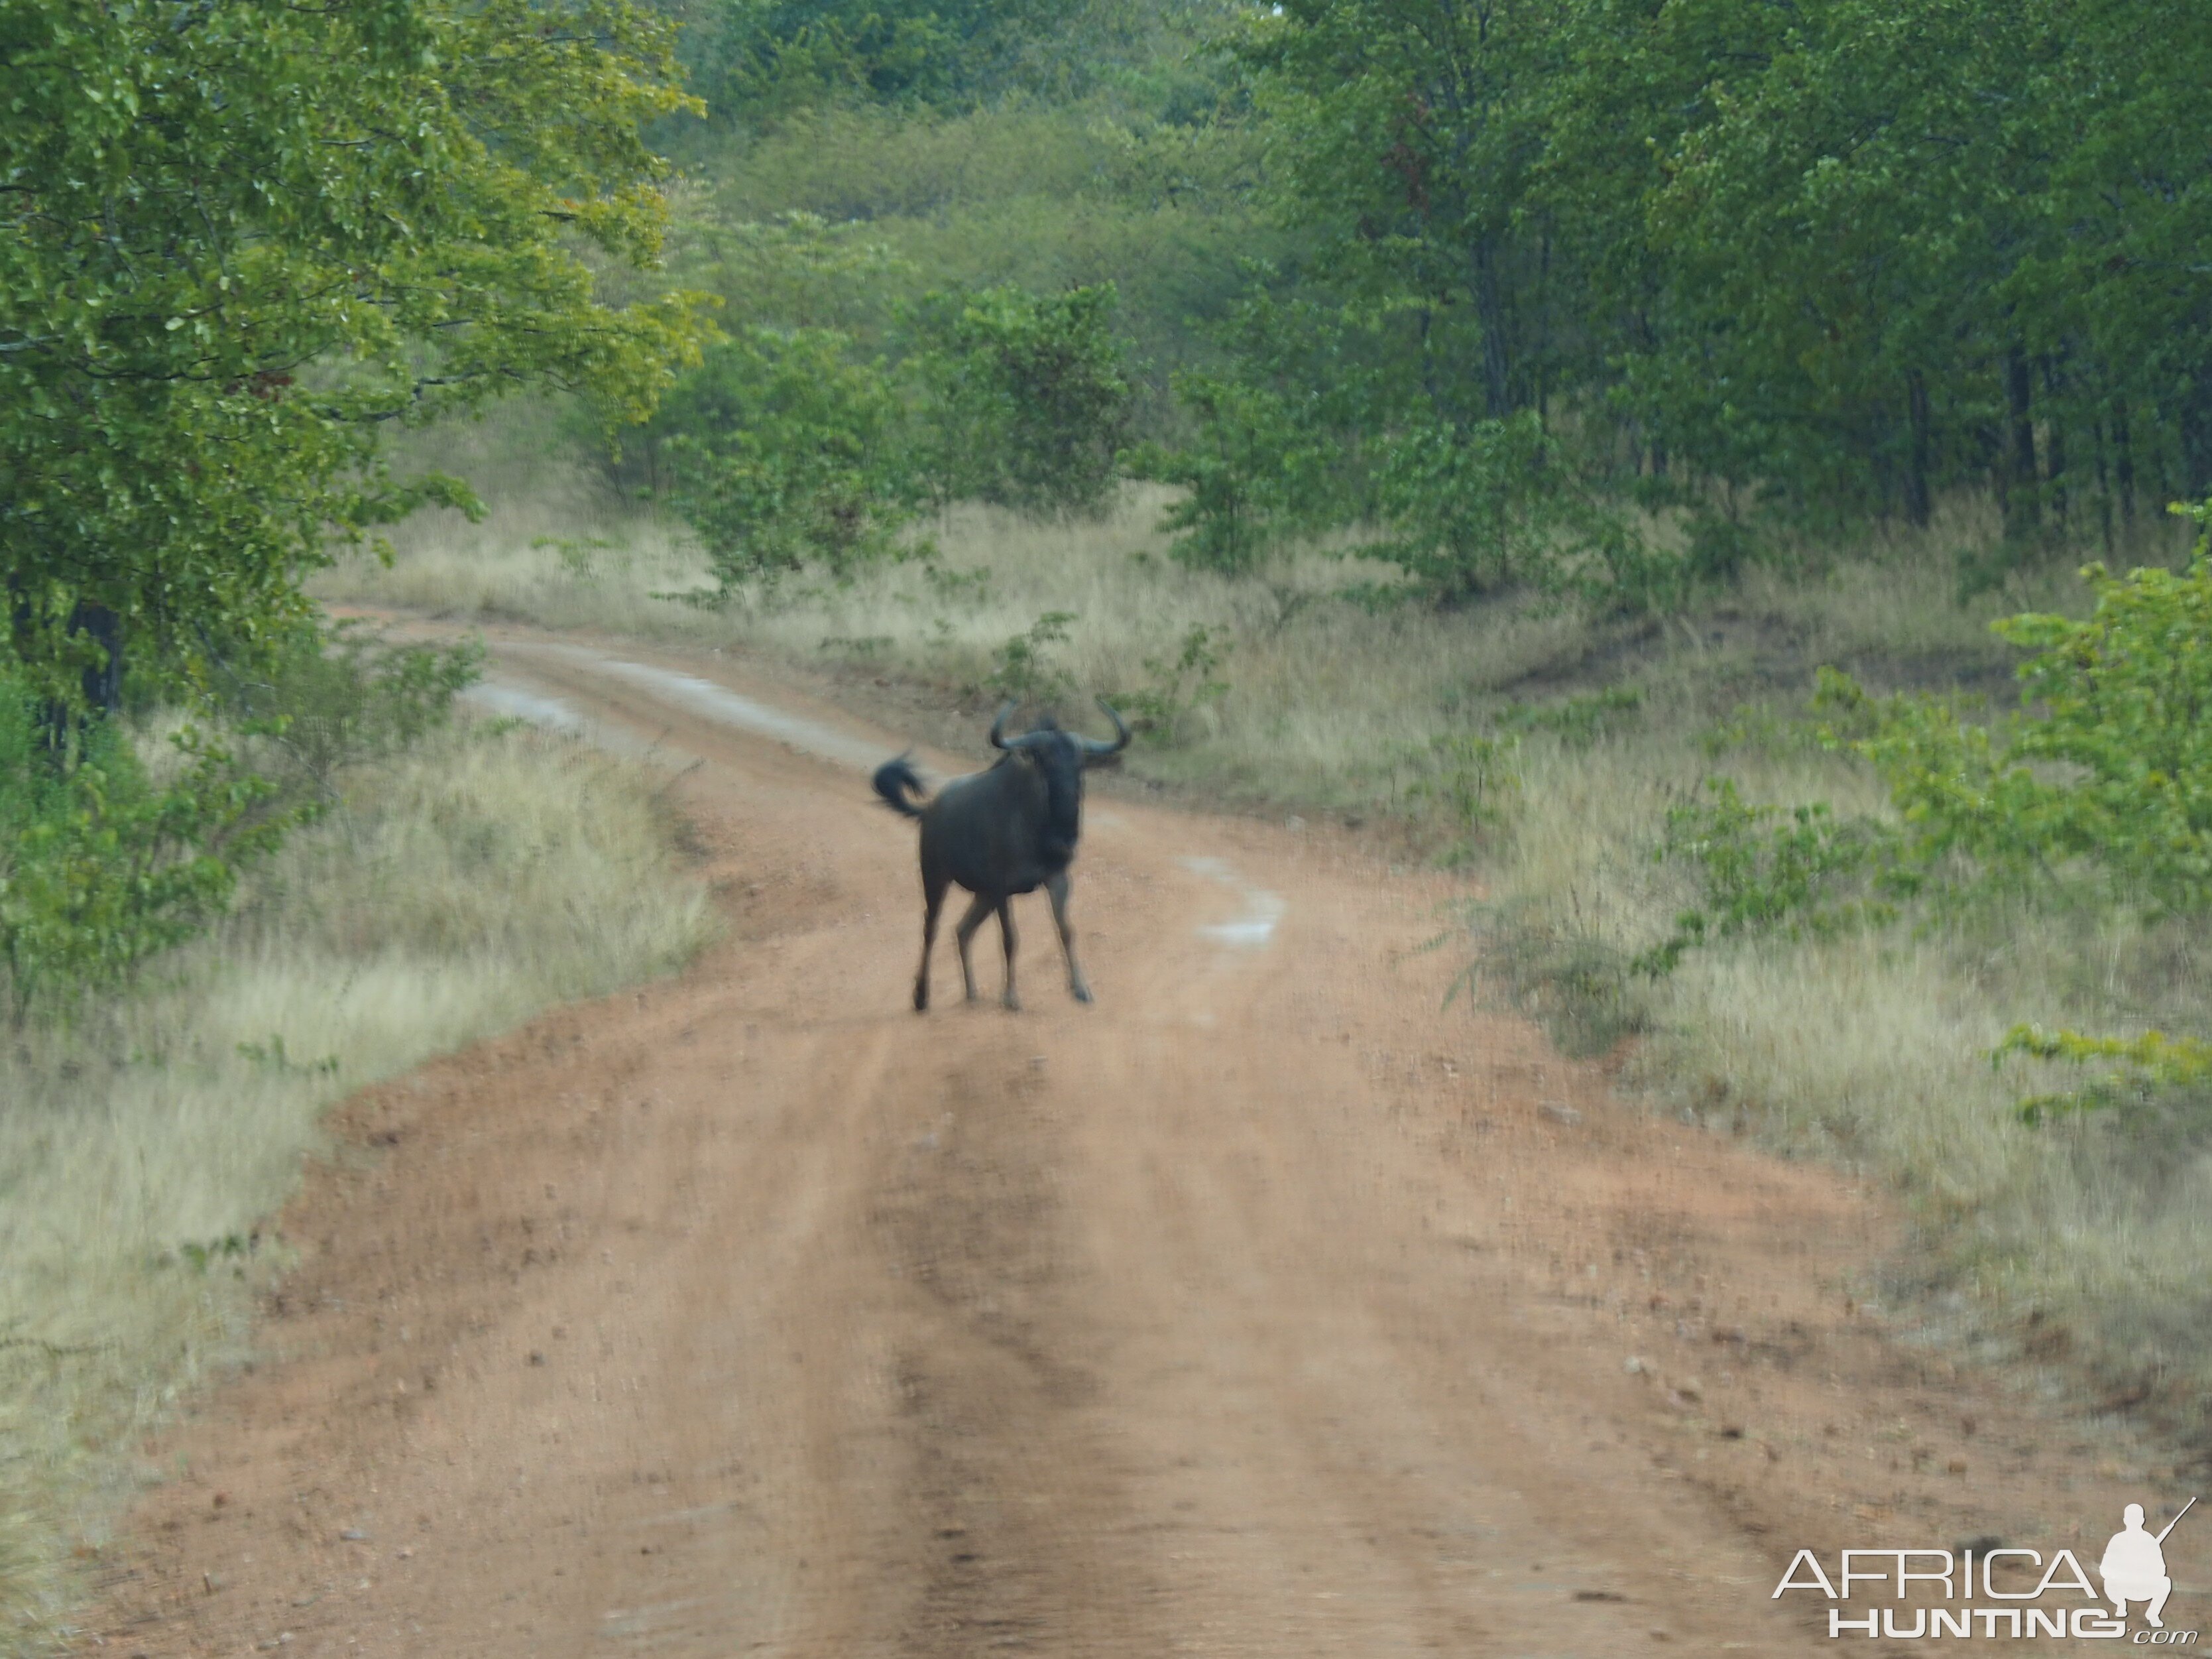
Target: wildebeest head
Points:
(1060, 757)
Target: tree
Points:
(1026, 396)
(757, 59)
(238, 240)
(789, 450)
(1740, 257)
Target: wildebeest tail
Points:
(895, 782)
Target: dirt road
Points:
(1265, 1306)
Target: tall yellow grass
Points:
(454, 893)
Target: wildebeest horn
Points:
(1092, 746)
(998, 727)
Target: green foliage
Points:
(1800, 874)
(1023, 669)
(793, 269)
(2151, 1063)
(1466, 510)
(344, 698)
(1732, 261)
(1240, 472)
(1045, 195)
(755, 60)
(1530, 268)
(1468, 781)
(1317, 429)
(272, 1055)
(2107, 764)
(790, 446)
(790, 451)
(1763, 729)
(237, 241)
(1180, 685)
(1577, 721)
(231, 1247)
(1026, 399)
(2104, 773)
(578, 555)
(956, 587)
(100, 867)
(1559, 970)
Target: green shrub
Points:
(1180, 686)
(1022, 670)
(100, 867)
(2107, 767)
(1799, 873)
(1250, 472)
(1026, 397)
(2148, 1064)
(788, 452)
(2103, 778)
(1466, 510)
(1577, 721)
(345, 697)
(1468, 781)
(1558, 970)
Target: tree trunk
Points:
(2054, 443)
(2197, 437)
(1490, 312)
(2022, 509)
(1918, 505)
(2124, 463)
(101, 682)
(2104, 487)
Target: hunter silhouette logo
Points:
(2134, 1567)
(1984, 1590)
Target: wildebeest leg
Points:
(1006, 934)
(978, 908)
(932, 900)
(1056, 888)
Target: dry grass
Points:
(2080, 1241)
(1320, 691)
(1869, 1050)
(456, 892)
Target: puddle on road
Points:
(720, 703)
(1252, 926)
(500, 697)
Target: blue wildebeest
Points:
(1007, 831)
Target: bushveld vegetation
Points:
(1492, 415)
(236, 246)
(437, 884)
(1638, 446)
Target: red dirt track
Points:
(1267, 1306)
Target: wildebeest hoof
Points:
(1013, 1003)
(1082, 992)
(920, 1000)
